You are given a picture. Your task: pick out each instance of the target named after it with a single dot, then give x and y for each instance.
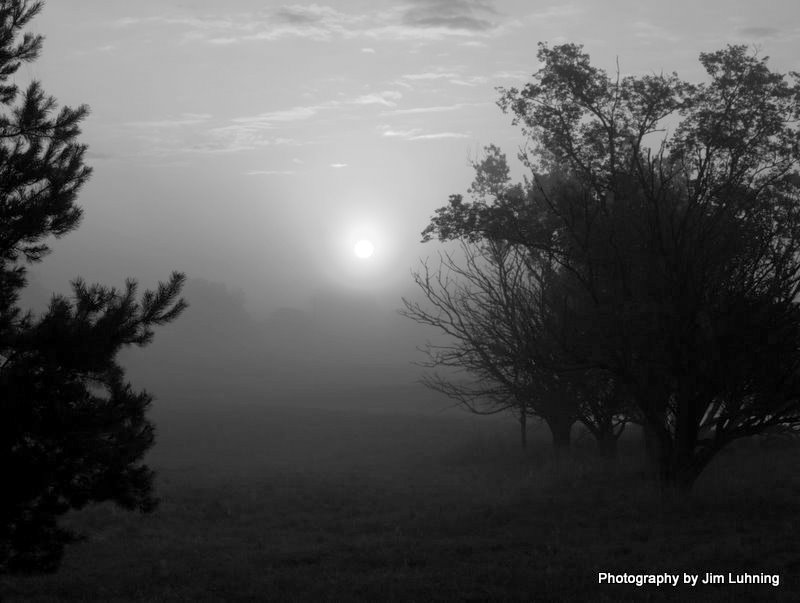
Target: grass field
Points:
(267, 504)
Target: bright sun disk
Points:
(364, 249)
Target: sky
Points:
(253, 143)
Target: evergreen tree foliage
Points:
(72, 430)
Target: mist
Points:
(269, 171)
(340, 349)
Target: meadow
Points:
(299, 504)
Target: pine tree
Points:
(72, 430)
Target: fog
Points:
(250, 147)
(343, 349)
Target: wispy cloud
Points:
(434, 109)
(419, 134)
(419, 19)
(386, 98)
(759, 32)
(474, 44)
(338, 165)
(312, 21)
(200, 133)
(168, 137)
(452, 76)
(206, 23)
(518, 74)
(430, 75)
(271, 118)
(303, 15)
(368, 50)
(223, 41)
(407, 134)
(251, 132)
(438, 135)
(472, 80)
(185, 119)
(462, 15)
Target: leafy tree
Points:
(72, 430)
(672, 212)
(503, 307)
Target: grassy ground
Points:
(297, 505)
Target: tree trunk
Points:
(523, 429)
(561, 429)
(679, 466)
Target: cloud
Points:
(196, 133)
(451, 76)
(419, 134)
(385, 98)
(338, 165)
(469, 15)
(205, 23)
(368, 50)
(192, 133)
(185, 119)
(270, 118)
(127, 22)
(472, 80)
(511, 75)
(312, 21)
(759, 32)
(407, 134)
(439, 135)
(420, 19)
(232, 138)
(298, 14)
(242, 136)
(435, 109)
(430, 75)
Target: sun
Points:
(364, 249)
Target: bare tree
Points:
(487, 301)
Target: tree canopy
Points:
(670, 210)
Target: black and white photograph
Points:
(426, 300)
